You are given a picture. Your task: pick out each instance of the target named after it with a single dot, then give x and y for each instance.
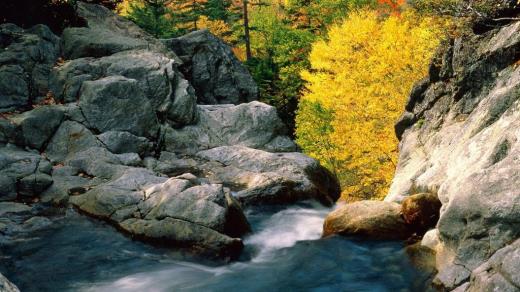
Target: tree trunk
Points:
(246, 31)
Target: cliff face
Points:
(460, 139)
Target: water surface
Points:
(284, 253)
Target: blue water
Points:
(284, 253)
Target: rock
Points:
(67, 182)
(405, 121)
(11, 207)
(500, 273)
(129, 159)
(22, 172)
(236, 222)
(119, 142)
(421, 211)
(431, 239)
(36, 223)
(181, 233)
(118, 104)
(7, 286)
(171, 211)
(33, 185)
(254, 125)
(466, 150)
(14, 90)
(156, 75)
(368, 219)
(36, 127)
(106, 33)
(261, 177)
(26, 57)
(217, 75)
(70, 138)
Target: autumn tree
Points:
(363, 74)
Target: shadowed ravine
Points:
(284, 251)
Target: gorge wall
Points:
(460, 140)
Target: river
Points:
(284, 253)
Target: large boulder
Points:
(462, 143)
(254, 124)
(26, 58)
(118, 104)
(158, 81)
(368, 219)
(213, 69)
(260, 177)
(176, 211)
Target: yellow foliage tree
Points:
(363, 74)
(217, 27)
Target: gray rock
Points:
(67, 181)
(36, 127)
(26, 57)
(13, 208)
(156, 76)
(14, 90)
(264, 177)
(130, 159)
(36, 223)
(106, 33)
(369, 219)
(96, 42)
(465, 150)
(500, 273)
(124, 142)
(181, 233)
(33, 185)
(7, 286)
(254, 125)
(118, 104)
(217, 75)
(70, 138)
(22, 172)
(172, 211)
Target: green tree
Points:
(155, 17)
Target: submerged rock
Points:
(368, 219)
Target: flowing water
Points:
(284, 253)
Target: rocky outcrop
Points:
(459, 139)
(212, 68)
(120, 137)
(255, 125)
(7, 286)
